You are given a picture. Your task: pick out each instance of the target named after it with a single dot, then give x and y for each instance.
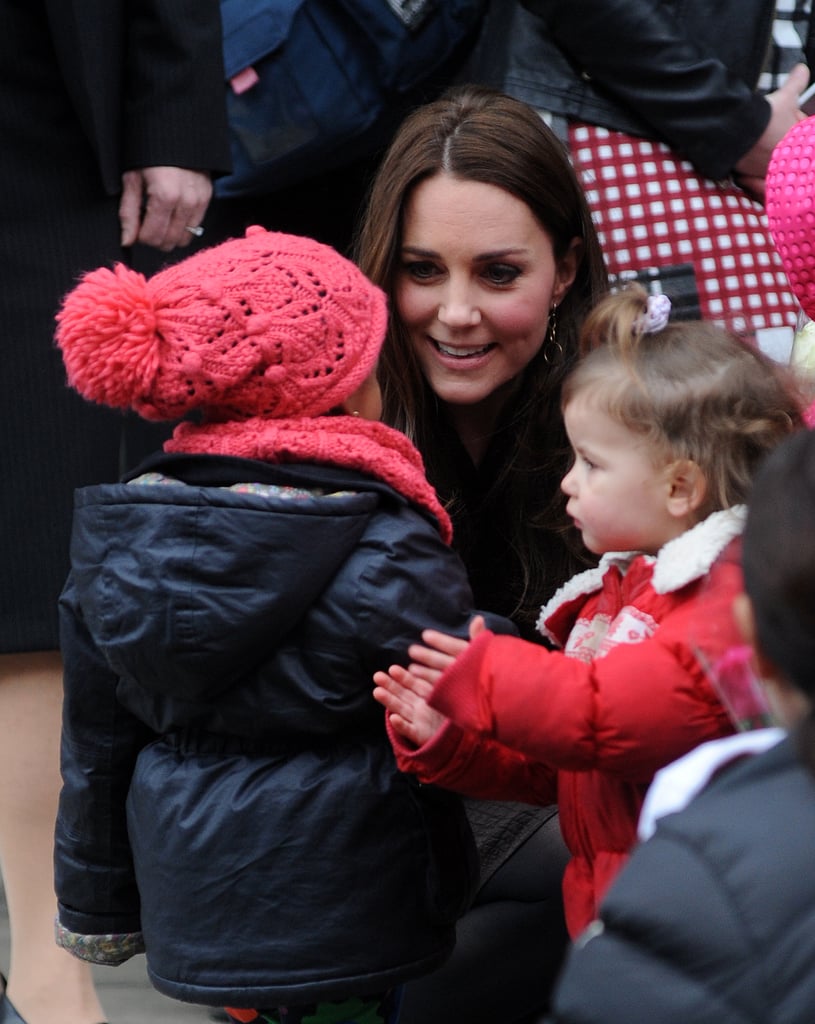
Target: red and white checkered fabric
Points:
(652, 210)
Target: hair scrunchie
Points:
(656, 315)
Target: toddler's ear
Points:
(366, 401)
(687, 488)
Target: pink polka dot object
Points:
(790, 205)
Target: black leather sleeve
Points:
(686, 72)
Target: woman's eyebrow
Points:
(494, 254)
(416, 250)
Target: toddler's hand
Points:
(428, 662)
(404, 697)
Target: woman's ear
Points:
(687, 488)
(745, 620)
(566, 270)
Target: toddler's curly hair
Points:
(692, 390)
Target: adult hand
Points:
(158, 204)
(751, 170)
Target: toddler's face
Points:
(618, 494)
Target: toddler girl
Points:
(667, 423)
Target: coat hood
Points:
(186, 588)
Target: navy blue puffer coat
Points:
(229, 790)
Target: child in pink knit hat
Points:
(231, 804)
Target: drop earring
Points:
(553, 350)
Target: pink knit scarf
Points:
(365, 445)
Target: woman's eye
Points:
(501, 273)
(421, 270)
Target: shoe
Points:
(8, 1015)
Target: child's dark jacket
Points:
(229, 789)
(713, 920)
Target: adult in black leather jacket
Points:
(680, 71)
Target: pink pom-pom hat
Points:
(269, 325)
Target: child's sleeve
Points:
(476, 767)
(628, 713)
(98, 900)
(414, 581)
(410, 581)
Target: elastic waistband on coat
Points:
(199, 741)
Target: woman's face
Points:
(476, 279)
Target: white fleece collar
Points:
(682, 560)
(691, 555)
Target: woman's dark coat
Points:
(89, 89)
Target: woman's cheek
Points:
(412, 302)
(528, 320)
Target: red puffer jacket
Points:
(591, 724)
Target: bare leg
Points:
(45, 983)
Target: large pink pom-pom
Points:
(790, 206)
(106, 330)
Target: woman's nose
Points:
(457, 307)
(567, 484)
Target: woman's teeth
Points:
(462, 353)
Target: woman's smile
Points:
(462, 353)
